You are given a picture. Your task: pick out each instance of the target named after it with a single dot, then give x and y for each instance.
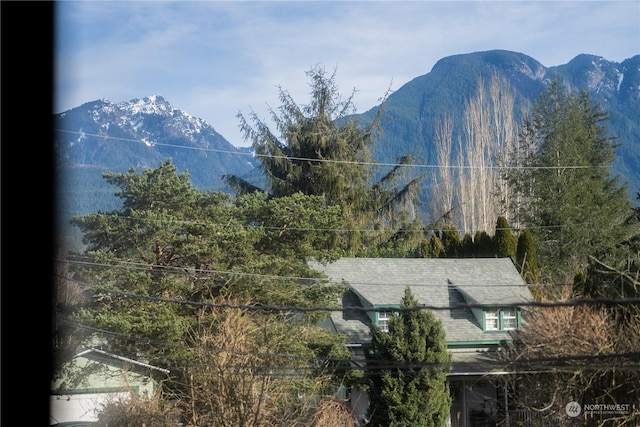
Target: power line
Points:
(118, 215)
(148, 341)
(346, 162)
(188, 271)
(568, 362)
(608, 302)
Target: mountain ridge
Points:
(100, 135)
(141, 133)
(413, 110)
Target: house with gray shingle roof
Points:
(478, 301)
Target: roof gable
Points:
(435, 282)
(353, 323)
(381, 281)
(97, 371)
(114, 360)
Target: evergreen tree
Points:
(161, 268)
(603, 279)
(432, 247)
(317, 149)
(467, 246)
(563, 185)
(505, 241)
(613, 274)
(483, 244)
(414, 391)
(451, 240)
(526, 258)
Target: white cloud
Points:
(214, 58)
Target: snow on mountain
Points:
(140, 133)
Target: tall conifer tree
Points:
(565, 190)
(161, 268)
(526, 257)
(504, 239)
(317, 149)
(413, 391)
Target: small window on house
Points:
(491, 320)
(500, 320)
(509, 320)
(383, 320)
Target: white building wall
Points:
(79, 407)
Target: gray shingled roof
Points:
(354, 324)
(438, 282)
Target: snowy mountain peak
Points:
(154, 104)
(140, 133)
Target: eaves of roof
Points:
(478, 363)
(104, 354)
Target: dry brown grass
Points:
(332, 413)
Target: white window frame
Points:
(511, 316)
(492, 317)
(383, 319)
(497, 320)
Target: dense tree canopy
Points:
(563, 185)
(317, 149)
(505, 241)
(526, 257)
(586, 237)
(210, 285)
(170, 268)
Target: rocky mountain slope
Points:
(412, 111)
(140, 133)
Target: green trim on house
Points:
(473, 343)
(383, 307)
(501, 322)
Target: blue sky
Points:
(214, 59)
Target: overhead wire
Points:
(609, 302)
(119, 215)
(181, 270)
(371, 366)
(625, 360)
(346, 309)
(347, 162)
(331, 161)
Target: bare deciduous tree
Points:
(245, 372)
(469, 187)
(443, 194)
(332, 413)
(578, 353)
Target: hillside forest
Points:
(215, 286)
